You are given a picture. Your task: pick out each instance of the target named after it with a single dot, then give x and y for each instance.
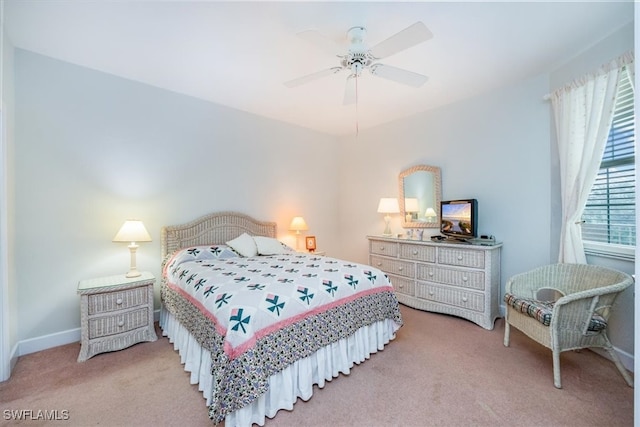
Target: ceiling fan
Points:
(359, 57)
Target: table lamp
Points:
(132, 231)
(298, 224)
(431, 215)
(388, 206)
(410, 207)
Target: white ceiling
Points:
(239, 54)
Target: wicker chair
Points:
(577, 319)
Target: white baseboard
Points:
(626, 358)
(13, 358)
(52, 340)
(48, 341)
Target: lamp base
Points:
(387, 229)
(133, 270)
(133, 273)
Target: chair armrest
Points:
(567, 279)
(614, 289)
(575, 311)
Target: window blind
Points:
(609, 216)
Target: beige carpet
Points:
(439, 371)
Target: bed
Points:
(257, 331)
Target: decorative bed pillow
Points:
(269, 246)
(244, 244)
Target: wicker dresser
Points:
(116, 312)
(458, 279)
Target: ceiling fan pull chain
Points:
(357, 116)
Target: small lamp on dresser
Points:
(431, 215)
(298, 224)
(388, 205)
(132, 231)
(410, 208)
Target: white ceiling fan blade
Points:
(323, 42)
(311, 77)
(350, 91)
(410, 36)
(398, 75)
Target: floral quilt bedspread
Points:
(257, 315)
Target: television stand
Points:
(442, 276)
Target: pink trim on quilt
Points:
(232, 353)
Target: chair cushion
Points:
(542, 310)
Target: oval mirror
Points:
(420, 195)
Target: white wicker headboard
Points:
(213, 229)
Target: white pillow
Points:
(244, 245)
(268, 245)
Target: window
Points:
(609, 216)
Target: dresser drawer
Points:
(108, 325)
(464, 278)
(112, 301)
(383, 248)
(417, 252)
(459, 298)
(461, 257)
(394, 266)
(403, 285)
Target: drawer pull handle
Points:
(382, 248)
(119, 301)
(415, 252)
(431, 293)
(399, 268)
(379, 264)
(464, 299)
(459, 257)
(465, 278)
(401, 286)
(431, 274)
(121, 323)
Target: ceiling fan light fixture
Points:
(360, 57)
(356, 62)
(356, 35)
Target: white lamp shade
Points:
(388, 205)
(430, 212)
(298, 224)
(411, 204)
(132, 231)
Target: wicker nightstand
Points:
(116, 312)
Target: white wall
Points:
(8, 290)
(93, 150)
(494, 148)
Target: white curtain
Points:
(583, 112)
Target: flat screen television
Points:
(459, 218)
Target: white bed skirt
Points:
(295, 381)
